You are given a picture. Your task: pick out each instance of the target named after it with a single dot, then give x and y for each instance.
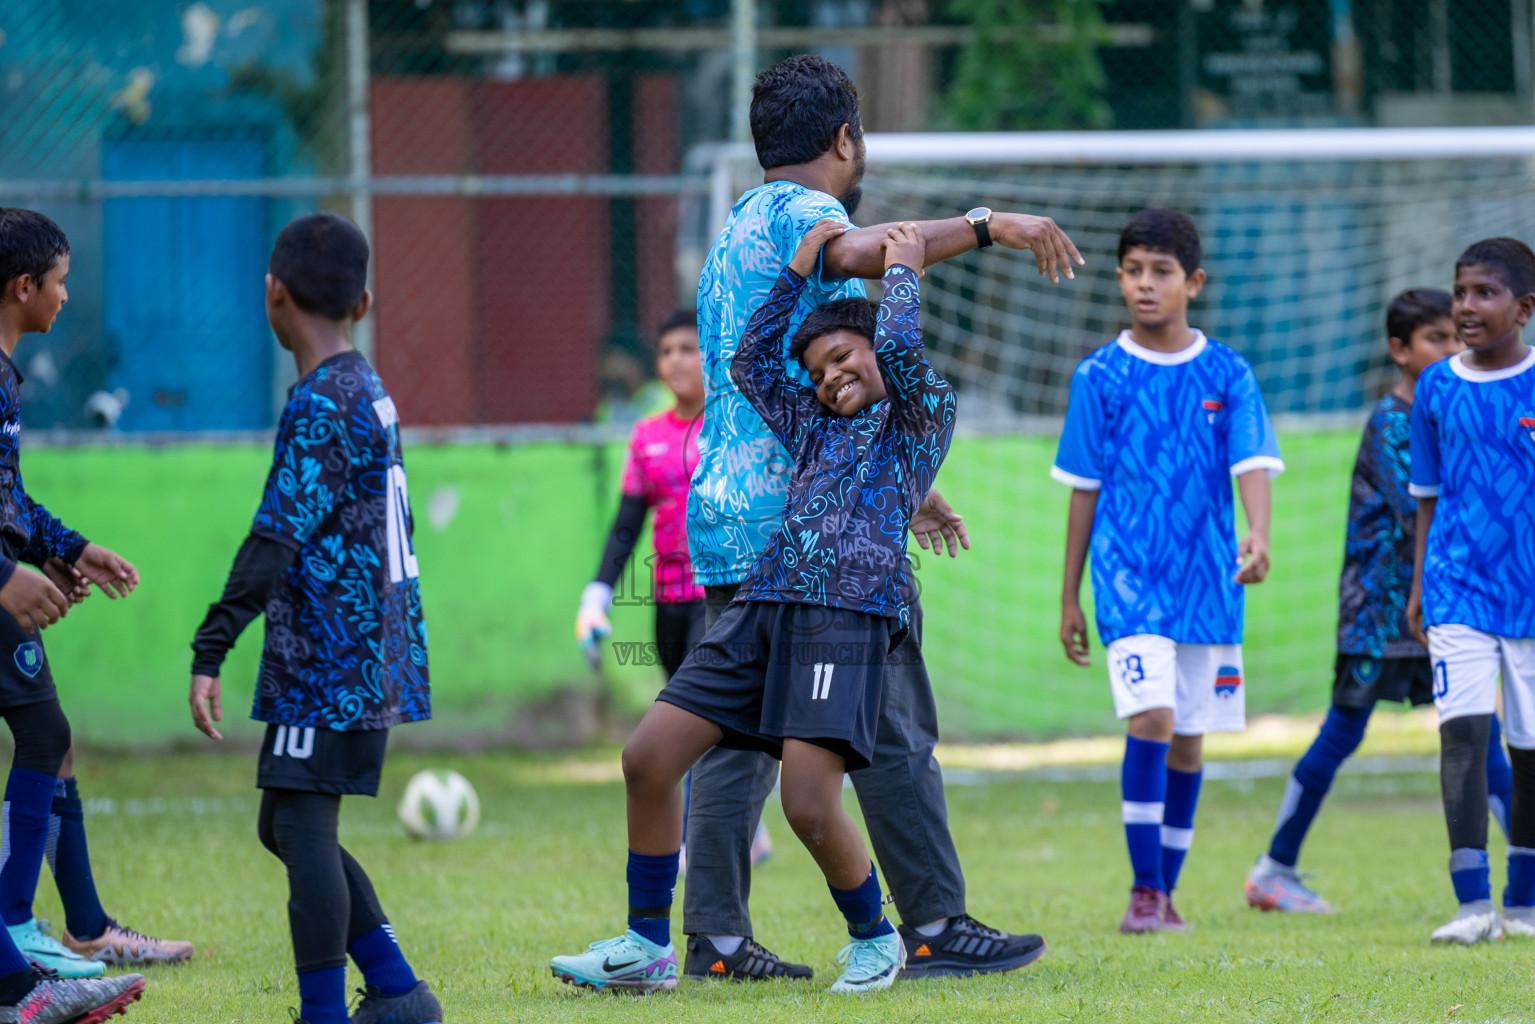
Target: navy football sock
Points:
(862, 907)
(1468, 873)
(322, 996)
(377, 954)
(1339, 737)
(1143, 795)
(1178, 822)
(28, 799)
(70, 859)
(652, 883)
(1521, 878)
(1500, 778)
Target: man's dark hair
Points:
(677, 318)
(30, 243)
(797, 106)
(1163, 231)
(1509, 259)
(322, 259)
(1414, 308)
(860, 316)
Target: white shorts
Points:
(1202, 683)
(1467, 664)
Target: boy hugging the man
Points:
(793, 666)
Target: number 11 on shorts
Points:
(820, 686)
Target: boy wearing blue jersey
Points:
(1378, 658)
(1158, 423)
(329, 562)
(1473, 473)
(794, 666)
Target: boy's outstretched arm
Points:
(857, 252)
(1079, 530)
(1419, 550)
(257, 566)
(51, 539)
(757, 368)
(1253, 552)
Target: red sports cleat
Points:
(1146, 912)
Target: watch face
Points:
(979, 213)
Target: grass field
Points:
(176, 853)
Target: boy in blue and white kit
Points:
(1473, 473)
(1158, 423)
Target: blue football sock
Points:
(1312, 778)
(70, 859)
(322, 996)
(1178, 822)
(1521, 878)
(1143, 793)
(24, 821)
(652, 882)
(1500, 779)
(377, 954)
(863, 908)
(1468, 873)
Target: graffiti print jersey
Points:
(1473, 446)
(854, 481)
(28, 531)
(737, 498)
(345, 641)
(1378, 547)
(1160, 435)
(663, 452)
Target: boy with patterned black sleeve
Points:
(329, 562)
(794, 666)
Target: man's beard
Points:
(851, 198)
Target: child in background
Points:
(1378, 657)
(1157, 424)
(1473, 473)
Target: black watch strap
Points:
(982, 233)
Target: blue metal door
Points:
(183, 290)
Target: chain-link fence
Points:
(525, 170)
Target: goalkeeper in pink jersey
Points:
(657, 469)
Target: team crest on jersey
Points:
(1211, 407)
(1228, 679)
(29, 658)
(1366, 670)
(1527, 424)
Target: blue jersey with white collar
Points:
(1160, 435)
(1473, 447)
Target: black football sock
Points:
(70, 859)
(15, 986)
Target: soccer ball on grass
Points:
(439, 804)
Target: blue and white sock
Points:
(322, 996)
(1178, 822)
(652, 885)
(863, 908)
(23, 841)
(1521, 878)
(1468, 873)
(1143, 795)
(1339, 737)
(1500, 779)
(377, 954)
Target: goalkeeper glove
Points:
(592, 621)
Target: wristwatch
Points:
(980, 219)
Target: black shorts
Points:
(767, 672)
(25, 677)
(679, 626)
(1359, 681)
(322, 760)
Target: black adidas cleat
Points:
(750, 962)
(967, 947)
(418, 1006)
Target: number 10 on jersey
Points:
(402, 560)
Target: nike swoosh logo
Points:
(608, 965)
